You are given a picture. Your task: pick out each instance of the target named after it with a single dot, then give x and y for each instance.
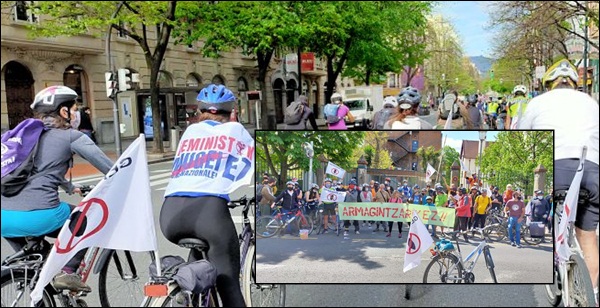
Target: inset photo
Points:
(404, 207)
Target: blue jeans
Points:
(432, 229)
(514, 222)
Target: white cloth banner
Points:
(430, 171)
(448, 124)
(331, 195)
(117, 214)
(418, 242)
(335, 170)
(462, 165)
(568, 215)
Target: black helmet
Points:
(463, 190)
(472, 99)
(409, 97)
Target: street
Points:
(373, 258)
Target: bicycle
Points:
(163, 291)
(22, 269)
(571, 284)
(496, 230)
(452, 267)
(268, 226)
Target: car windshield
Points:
(356, 104)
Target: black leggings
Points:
(391, 224)
(207, 218)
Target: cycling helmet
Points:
(416, 186)
(327, 180)
(439, 187)
(472, 99)
(353, 181)
(409, 97)
(216, 99)
(289, 183)
(314, 185)
(561, 69)
(296, 184)
(336, 98)
(429, 198)
(390, 101)
(463, 190)
(520, 88)
(52, 98)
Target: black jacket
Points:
(289, 201)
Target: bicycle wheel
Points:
(553, 291)
(260, 295)
(581, 291)
(16, 290)
(439, 268)
(122, 277)
(495, 233)
(526, 236)
(489, 262)
(267, 226)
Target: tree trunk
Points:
(284, 171)
(268, 117)
(156, 117)
(330, 80)
(368, 77)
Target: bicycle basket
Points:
(197, 277)
(444, 245)
(168, 265)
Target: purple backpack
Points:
(19, 147)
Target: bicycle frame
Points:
(478, 250)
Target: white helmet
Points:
(562, 68)
(336, 98)
(520, 88)
(390, 100)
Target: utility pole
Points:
(112, 71)
(585, 52)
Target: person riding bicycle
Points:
(37, 210)
(328, 207)
(407, 117)
(312, 199)
(517, 105)
(573, 116)
(475, 120)
(195, 204)
(290, 202)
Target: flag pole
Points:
(155, 252)
(441, 159)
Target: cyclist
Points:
(290, 202)
(328, 208)
(517, 105)
(37, 210)
(407, 118)
(575, 124)
(195, 204)
(312, 199)
(463, 211)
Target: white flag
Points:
(430, 171)
(117, 214)
(418, 242)
(331, 195)
(448, 124)
(568, 215)
(335, 170)
(462, 165)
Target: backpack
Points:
(330, 110)
(19, 148)
(293, 113)
(448, 103)
(259, 188)
(381, 117)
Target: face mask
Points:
(290, 188)
(328, 185)
(351, 187)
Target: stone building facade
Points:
(29, 65)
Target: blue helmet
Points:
(216, 99)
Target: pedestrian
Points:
(307, 116)
(515, 210)
(396, 198)
(342, 112)
(429, 202)
(382, 196)
(85, 125)
(267, 196)
(351, 196)
(365, 196)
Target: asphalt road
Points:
(373, 258)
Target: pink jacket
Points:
(463, 209)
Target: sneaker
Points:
(513, 244)
(399, 235)
(72, 282)
(356, 232)
(346, 233)
(370, 226)
(388, 235)
(325, 231)
(519, 246)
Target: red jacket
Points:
(463, 209)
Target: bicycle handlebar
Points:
(243, 201)
(86, 189)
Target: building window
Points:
(23, 13)
(190, 46)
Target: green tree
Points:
(260, 28)
(282, 151)
(428, 155)
(514, 156)
(449, 156)
(72, 18)
(376, 155)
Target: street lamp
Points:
(481, 140)
(309, 150)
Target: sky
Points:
(469, 19)
(455, 138)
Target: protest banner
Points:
(335, 170)
(379, 211)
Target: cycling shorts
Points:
(329, 209)
(34, 223)
(564, 171)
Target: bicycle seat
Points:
(193, 243)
